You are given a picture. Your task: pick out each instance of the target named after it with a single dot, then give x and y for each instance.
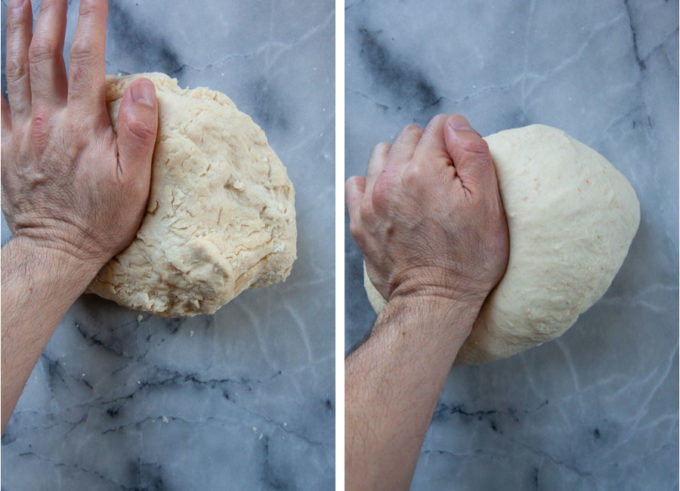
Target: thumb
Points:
(137, 127)
(469, 152)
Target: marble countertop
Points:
(243, 399)
(597, 408)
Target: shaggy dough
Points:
(571, 219)
(221, 212)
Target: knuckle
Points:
(81, 52)
(46, 5)
(352, 193)
(78, 77)
(355, 229)
(476, 145)
(52, 8)
(140, 129)
(16, 70)
(438, 119)
(435, 123)
(40, 121)
(413, 174)
(414, 129)
(380, 149)
(382, 193)
(365, 210)
(41, 50)
(16, 23)
(40, 130)
(87, 7)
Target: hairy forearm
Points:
(393, 382)
(39, 284)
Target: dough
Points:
(221, 212)
(571, 219)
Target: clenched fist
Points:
(428, 216)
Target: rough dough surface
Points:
(571, 219)
(221, 212)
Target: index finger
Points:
(405, 144)
(87, 68)
(432, 145)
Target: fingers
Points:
(432, 147)
(137, 126)
(470, 154)
(19, 24)
(376, 164)
(354, 194)
(87, 69)
(387, 161)
(47, 71)
(404, 146)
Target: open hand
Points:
(69, 183)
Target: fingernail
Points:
(17, 4)
(143, 93)
(459, 123)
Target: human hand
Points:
(428, 216)
(69, 183)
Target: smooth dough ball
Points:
(221, 211)
(571, 219)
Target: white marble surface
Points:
(240, 400)
(596, 409)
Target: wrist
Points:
(436, 286)
(45, 257)
(435, 319)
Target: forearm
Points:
(393, 382)
(39, 284)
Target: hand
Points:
(69, 183)
(428, 216)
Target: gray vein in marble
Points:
(124, 30)
(638, 58)
(405, 82)
(80, 469)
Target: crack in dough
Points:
(221, 213)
